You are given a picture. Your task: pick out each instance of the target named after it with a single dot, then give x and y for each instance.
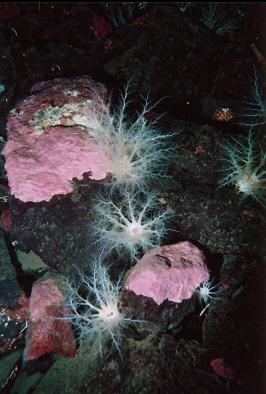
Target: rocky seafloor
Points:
(205, 74)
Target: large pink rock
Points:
(171, 272)
(46, 333)
(49, 139)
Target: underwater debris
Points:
(222, 115)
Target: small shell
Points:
(222, 114)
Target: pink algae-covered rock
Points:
(49, 139)
(46, 333)
(170, 272)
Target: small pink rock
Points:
(170, 272)
(221, 370)
(46, 333)
(225, 285)
(50, 139)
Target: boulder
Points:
(49, 139)
(170, 272)
(47, 331)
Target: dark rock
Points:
(9, 287)
(216, 221)
(25, 384)
(167, 316)
(167, 366)
(10, 332)
(13, 323)
(2, 143)
(234, 327)
(9, 368)
(215, 217)
(59, 231)
(42, 364)
(152, 365)
(31, 264)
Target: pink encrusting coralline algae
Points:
(170, 272)
(47, 332)
(49, 139)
